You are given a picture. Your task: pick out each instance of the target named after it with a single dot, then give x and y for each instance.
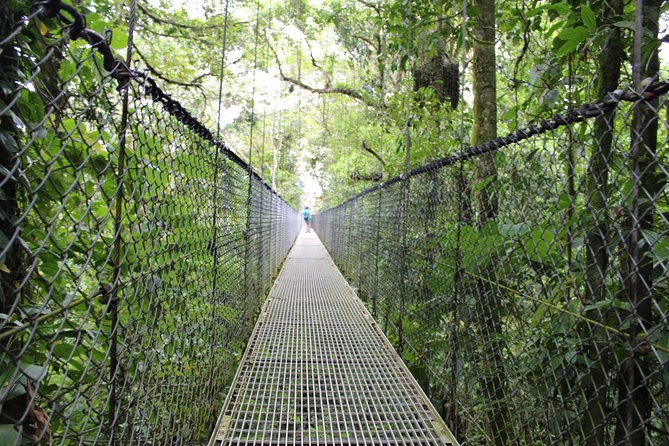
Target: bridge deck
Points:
(318, 371)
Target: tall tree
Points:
(485, 107)
(597, 192)
(635, 400)
(485, 175)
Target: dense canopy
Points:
(145, 208)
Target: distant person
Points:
(306, 214)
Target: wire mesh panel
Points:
(318, 371)
(134, 249)
(532, 304)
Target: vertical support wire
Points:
(639, 281)
(262, 224)
(118, 226)
(404, 226)
(635, 233)
(458, 232)
(260, 214)
(214, 217)
(375, 289)
(571, 189)
(249, 200)
(406, 132)
(360, 226)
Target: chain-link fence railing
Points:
(135, 248)
(531, 304)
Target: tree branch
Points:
(180, 36)
(328, 82)
(162, 77)
(375, 6)
(377, 176)
(368, 149)
(321, 90)
(161, 20)
(526, 44)
(367, 41)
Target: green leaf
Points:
(572, 36)
(119, 40)
(4, 241)
(661, 250)
(50, 263)
(16, 121)
(663, 356)
(8, 143)
(9, 435)
(96, 23)
(564, 201)
(561, 8)
(63, 351)
(575, 33)
(588, 17)
(17, 389)
(12, 384)
(514, 230)
(99, 209)
(607, 304)
(510, 113)
(659, 245)
(568, 47)
(34, 372)
(540, 244)
(626, 24)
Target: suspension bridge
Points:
(318, 370)
(155, 290)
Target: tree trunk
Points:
(635, 401)
(489, 311)
(597, 190)
(485, 108)
(11, 272)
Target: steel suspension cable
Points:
(249, 213)
(215, 185)
(118, 226)
(222, 71)
(457, 274)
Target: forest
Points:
(153, 156)
(349, 85)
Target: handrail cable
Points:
(652, 90)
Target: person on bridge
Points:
(306, 214)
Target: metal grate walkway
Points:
(318, 371)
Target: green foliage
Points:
(434, 279)
(127, 289)
(361, 57)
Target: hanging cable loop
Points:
(76, 29)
